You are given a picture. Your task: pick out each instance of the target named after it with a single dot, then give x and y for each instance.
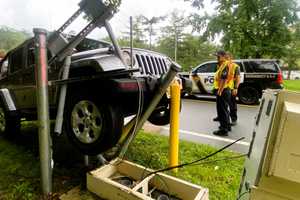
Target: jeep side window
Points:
(30, 57)
(207, 68)
(16, 60)
(263, 66)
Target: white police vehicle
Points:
(256, 76)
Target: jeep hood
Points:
(101, 59)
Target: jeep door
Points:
(12, 76)
(203, 78)
(29, 79)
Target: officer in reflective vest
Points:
(235, 72)
(223, 82)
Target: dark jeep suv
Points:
(95, 108)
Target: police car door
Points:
(203, 78)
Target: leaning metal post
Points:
(41, 73)
(114, 41)
(62, 97)
(166, 81)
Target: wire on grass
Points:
(196, 161)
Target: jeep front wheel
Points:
(92, 127)
(9, 125)
(248, 95)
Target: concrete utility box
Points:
(125, 180)
(272, 169)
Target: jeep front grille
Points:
(149, 64)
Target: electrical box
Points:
(125, 180)
(272, 168)
(286, 154)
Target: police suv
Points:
(256, 76)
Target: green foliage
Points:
(138, 34)
(22, 191)
(149, 26)
(10, 38)
(192, 50)
(293, 85)
(293, 49)
(221, 178)
(250, 28)
(18, 173)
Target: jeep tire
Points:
(248, 95)
(9, 124)
(91, 125)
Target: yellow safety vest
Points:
(229, 81)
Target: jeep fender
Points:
(7, 100)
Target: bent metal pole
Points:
(41, 77)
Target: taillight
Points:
(279, 78)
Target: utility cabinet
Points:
(286, 154)
(272, 168)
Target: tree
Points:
(192, 50)
(293, 49)
(149, 23)
(250, 28)
(10, 38)
(138, 34)
(177, 24)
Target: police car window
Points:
(207, 68)
(16, 60)
(264, 66)
(241, 66)
(248, 67)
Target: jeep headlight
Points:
(127, 58)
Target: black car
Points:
(256, 76)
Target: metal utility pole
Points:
(176, 41)
(41, 73)
(131, 41)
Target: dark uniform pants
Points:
(233, 108)
(223, 103)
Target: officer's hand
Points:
(234, 92)
(219, 92)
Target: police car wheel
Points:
(9, 125)
(91, 125)
(248, 95)
(161, 116)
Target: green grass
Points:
(293, 85)
(19, 168)
(222, 178)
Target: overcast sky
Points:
(50, 14)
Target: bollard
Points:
(41, 76)
(174, 125)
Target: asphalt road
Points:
(196, 124)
